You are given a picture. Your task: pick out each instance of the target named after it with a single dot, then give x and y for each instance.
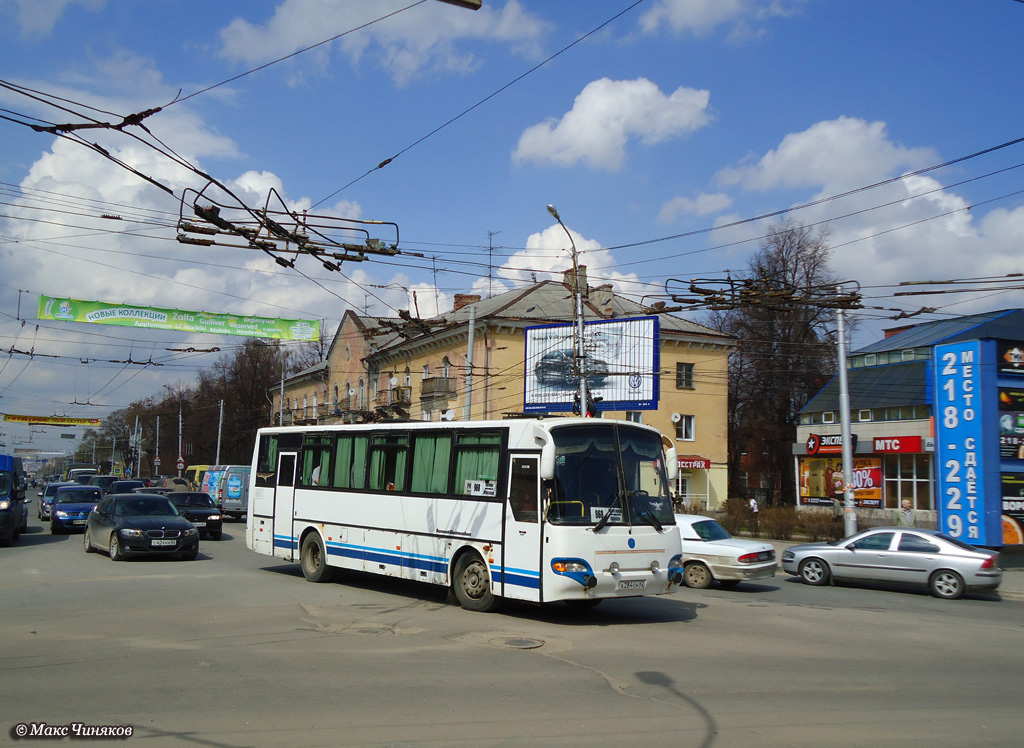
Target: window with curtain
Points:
(350, 461)
(316, 459)
(388, 459)
(476, 459)
(431, 458)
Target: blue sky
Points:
(677, 117)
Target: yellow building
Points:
(424, 370)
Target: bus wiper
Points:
(605, 519)
(651, 519)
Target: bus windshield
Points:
(600, 471)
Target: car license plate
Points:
(199, 524)
(80, 521)
(632, 584)
(165, 542)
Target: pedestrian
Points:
(905, 515)
(754, 529)
(837, 519)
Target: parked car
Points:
(558, 369)
(926, 558)
(200, 509)
(710, 553)
(46, 498)
(125, 486)
(133, 524)
(71, 506)
(103, 482)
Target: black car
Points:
(558, 369)
(201, 510)
(131, 524)
(125, 486)
(103, 481)
(71, 507)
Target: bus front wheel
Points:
(313, 559)
(472, 584)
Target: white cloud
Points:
(608, 114)
(703, 205)
(841, 153)
(701, 17)
(38, 17)
(424, 38)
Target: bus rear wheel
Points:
(313, 559)
(472, 584)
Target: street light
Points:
(179, 460)
(581, 355)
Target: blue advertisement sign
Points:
(967, 463)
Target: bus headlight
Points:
(576, 569)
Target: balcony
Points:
(439, 388)
(394, 396)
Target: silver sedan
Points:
(947, 566)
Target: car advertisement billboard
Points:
(622, 359)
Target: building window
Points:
(635, 416)
(336, 394)
(685, 428)
(361, 401)
(426, 371)
(408, 377)
(864, 415)
(828, 417)
(446, 368)
(684, 376)
(869, 360)
(908, 476)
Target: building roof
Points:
(1005, 323)
(877, 387)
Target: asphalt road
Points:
(237, 649)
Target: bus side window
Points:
(523, 490)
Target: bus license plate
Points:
(632, 584)
(165, 542)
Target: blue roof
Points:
(1006, 324)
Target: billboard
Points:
(967, 460)
(49, 420)
(822, 480)
(182, 320)
(622, 365)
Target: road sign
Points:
(156, 461)
(181, 464)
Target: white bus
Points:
(456, 504)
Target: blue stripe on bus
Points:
(510, 575)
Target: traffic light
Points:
(592, 405)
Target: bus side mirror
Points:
(671, 459)
(547, 452)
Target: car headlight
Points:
(191, 531)
(788, 555)
(5, 504)
(213, 517)
(127, 532)
(61, 513)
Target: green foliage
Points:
(736, 514)
(817, 523)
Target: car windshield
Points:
(5, 482)
(710, 530)
(77, 496)
(602, 470)
(193, 500)
(145, 507)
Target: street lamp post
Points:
(581, 354)
(169, 389)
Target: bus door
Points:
(284, 506)
(521, 547)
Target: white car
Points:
(710, 553)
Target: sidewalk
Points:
(1011, 559)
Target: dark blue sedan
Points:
(136, 524)
(71, 507)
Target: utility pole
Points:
(467, 410)
(581, 353)
(220, 426)
(490, 263)
(849, 507)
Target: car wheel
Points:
(191, 555)
(728, 583)
(472, 584)
(115, 548)
(55, 529)
(313, 559)
(697, 576)
(814, 571)
(87, 541)
(946, 584)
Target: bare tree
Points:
(786, 353)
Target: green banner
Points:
(125, 315)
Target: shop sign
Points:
(694, 463)
(1010, 357)
(1013, 508)
(831, 444)
(898, 445)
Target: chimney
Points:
(465, 299)
(567, 279)
(896, 330)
